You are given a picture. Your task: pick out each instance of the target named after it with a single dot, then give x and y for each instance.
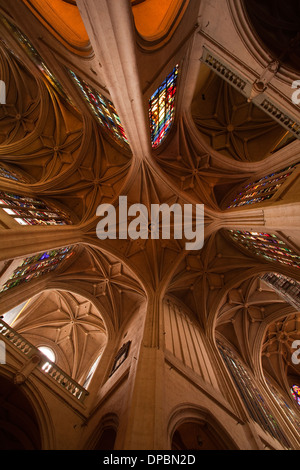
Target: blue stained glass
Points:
(11, 175)
(256, 405)
(103, 109)
(162, 108)
(262, 189)
(31, 211)
(266, 245)
(296, 393)
(36, 266)
(35, 57)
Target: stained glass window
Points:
(11, 175)
(256, 405)
(289, 413)
(288, 288)
(102, 108)
(267, 245)
(35, 266)
(296, 393)
(162, 108)
(29, 211)
(35, 57)
(262, 189)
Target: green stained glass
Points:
(262, 189)
(255, 403)
(162, 108)
(30, 50)
(269, 246)
(102, 108)
(295, 390)
(36, 266)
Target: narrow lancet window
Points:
(252, 398)
(102, 108)
(36, 58)
(296, 393)
(162, 108)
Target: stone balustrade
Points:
(45, 365)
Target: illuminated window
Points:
(162, 108)
(284, 406)
(251, 396)
(296, 393)
(28, 211)
(102, 108)
(30, 50)
(49, 355)
(36, 266)
(268, 246)
(11, 175)
(262, 189)
(289, 413)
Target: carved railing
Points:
(45, 365)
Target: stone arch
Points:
(25, 418)
(250, 38)
(207, 433)
(62, 19)
(156, 20)
(104, 436)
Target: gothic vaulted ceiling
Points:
(219, 140)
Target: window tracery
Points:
(256, 405)
(289, 413)
(262, 189)
(30, 211)
(36, 266)
(11, 174)
(295, 390)
(33, 54)
(162, 108)
(102, 108)
(269, 246)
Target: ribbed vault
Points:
(68, 324)
(212, 148)
(231, 125)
